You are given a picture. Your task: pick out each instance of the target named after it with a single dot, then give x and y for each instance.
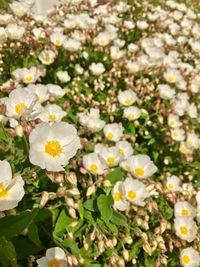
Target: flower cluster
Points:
(99, 112)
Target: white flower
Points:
(141, 166)
(52, 113)
(51, 146)
(93, 164)
(5, 19)
(120, 202)
(125, 149)
(29, 76)
(95, 125)
(55, 90)
(185, 228)
(40, 90)
(11, 190)
(110, 155)
(97, 68)
(57, 38)
(113, 131)
(15, 32)
(47, 57)
(173, 183)
(132, 113)
(133, 66)
(71, 45)
(172, 76)
(127, 97)
(183, 208)
(135, 191)
(166, 92)
(142, 25)
(116, 53)
(151, 190)
(190, 257)
(102, 39)
(193, 140)
(185, 149)
(178, 134)
(55, 257)
(173, 121)
(63, 76)
(19, 8)
(20, 103)
(133, 48)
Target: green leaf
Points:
(71, 244)
(62, 222)
(104, 204)
(7, 252)
(115, 175)
(11, 226)
(33, 235)
(89, 205)
(118, 218)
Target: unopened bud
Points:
(91, 190)
(70, 236)
(71, 178)
(19, 130)
(125, 254)
(74, 192)
(147, 248)
(121, 263)
(92, 236)
(44, 199)
(72, 213)
(101, 246)
(70, 202)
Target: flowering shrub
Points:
(100, 135)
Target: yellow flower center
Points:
(57, 42)
(29, 78)
(3, 191)
(183, 149)
(110, 136)
(185, 259)
(191, 143)
(131, 195)
(111, 160)
(15, 34)
(121, 151)
(117, 197)
(19, 108)
(54, 263)
(183, 230)
(185, 213)
(94, 168)
(170, 186)
(38, 98)
(132, 116)
(102, 42)
(53, 148)
(171, 78)
(139, 172)
(172, 123)
(128, 101)
(52, 117)
(175, 134)
(47, 58)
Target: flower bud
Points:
(19, 130)
(71, 178)
(125, 254)
(72, 213)
(91, 190)
(44, 199)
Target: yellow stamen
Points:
(3, 191)
(185, 259)
(94, 168)
(183, 230)
(111, 160)
(52, 117)
(53, 148)
(131, 195)
(139, 172)
(185, 212)
(19, 108)
(128, 101)
(170, 186)
(117, 197)
(110, 136)
(54, 263)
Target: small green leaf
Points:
(118, 218)
(11, 226)
(89, 205)
(62, 222)
(115, 175)
(104, 204)
(33, 235)
(7, 252)
(71, 244)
